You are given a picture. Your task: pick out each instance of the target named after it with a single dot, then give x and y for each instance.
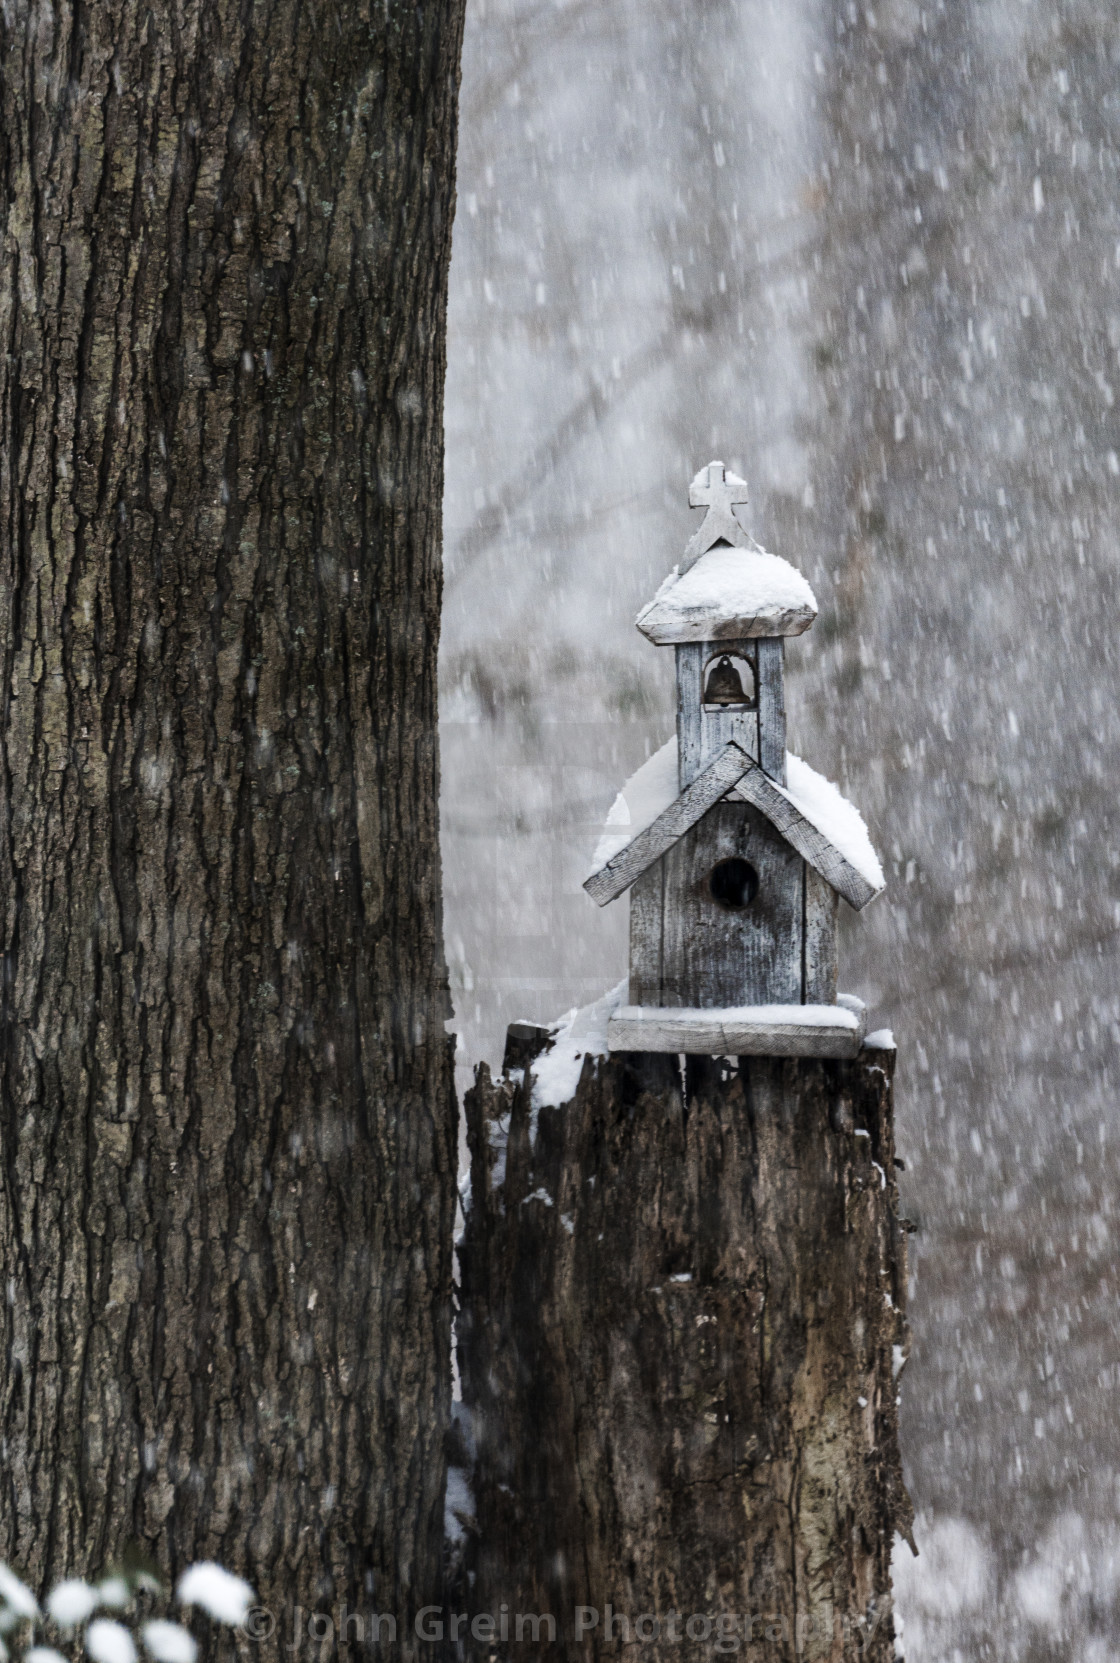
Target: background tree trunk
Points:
(682, 1327)
(226, 1108)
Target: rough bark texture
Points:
(678, 1349)
(227, 1125)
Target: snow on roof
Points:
(650, 791)
(645, 795)
(825, 806)
(729, 593)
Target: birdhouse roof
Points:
(729, 594)
(650, 815)
(726, 587)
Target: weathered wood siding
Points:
(772, 707)
(702, 734)
(714, 956)
(821, 905)
(647, 909)
(686, 949)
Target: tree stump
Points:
(682, 1326)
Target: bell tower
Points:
(708, 673)
(730, 657)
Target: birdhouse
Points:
(735, 853)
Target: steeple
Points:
(728, 598)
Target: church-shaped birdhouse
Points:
(735, 853)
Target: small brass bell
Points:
(724, 686)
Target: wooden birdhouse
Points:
(734, 852)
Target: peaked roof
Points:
(735, 774)
(729, 594)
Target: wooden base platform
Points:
(742, 1031)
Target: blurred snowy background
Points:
(870, 257)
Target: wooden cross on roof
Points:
(720, 493)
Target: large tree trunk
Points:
(226, 1108)
(682, 1329)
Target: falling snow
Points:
(872, 258)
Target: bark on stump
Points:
(683, 1317)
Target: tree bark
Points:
(227, 1122)
(682, 1327)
